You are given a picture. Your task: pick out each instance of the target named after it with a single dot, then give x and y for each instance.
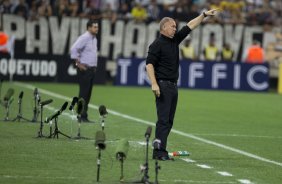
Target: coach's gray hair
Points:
(163, 21)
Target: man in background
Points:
(84, 52)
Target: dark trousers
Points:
(85, 80)
(166, 107)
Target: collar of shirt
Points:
(163, 37)
(90, 35)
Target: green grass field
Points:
(233, 137)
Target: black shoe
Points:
(163, 158)
(86, 120)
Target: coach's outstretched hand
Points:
(212, 12)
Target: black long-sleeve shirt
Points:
(163, 54)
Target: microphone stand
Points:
(19, 116)
(156, 145)
(121, 159)
(78, 131)
(36, 111)
(145, 178)
(57, 131)
(7, 104)
(103, 117)
(98, 164)
(40, 134)
(79, 124)
(157, 168)
(50, 129)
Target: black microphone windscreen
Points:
(35, 91)
(122, 149)
(21, 95)
(156, 144)
(100, 139)
(9, 94)
(73, 102)
(102, 110)
(148, 131)
(64, 106)
(80, 106)
(46, 102)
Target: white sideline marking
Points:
(31, 87)
(244, 181)
(204, 166)
(240, 135)
(188, 160)
(194, 181)
(224, 173)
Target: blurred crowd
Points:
(250, 12)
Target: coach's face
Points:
(94, 28)
(169, 28)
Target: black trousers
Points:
(166, 107)
(85, 80)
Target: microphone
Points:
(9, 94)
(148, 132)
(58, 112)
(80, 106)
(35, 92)
(100, 140)
(74, 101)
(122, 149)
(46, 102)
(21, 95)
(156, 144)
(102, 110)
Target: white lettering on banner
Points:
(234, 37)
(19, 22)
(217, 74)
(116, 39)
(59, 34)
(44, 68)
(152, 34)
(124, 64)
(52, 68)
(208, 29)
(32, 42)
(51, 36)
(24, 67)
(237, 73)
(142, 74)
(4, 66)
(252, 82)
(201, 75)
(195, 73)
(20, 69)
(138, 47)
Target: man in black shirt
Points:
(162, 67)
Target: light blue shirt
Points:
(85, 49)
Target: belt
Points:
(173, 82)
(91, 67)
